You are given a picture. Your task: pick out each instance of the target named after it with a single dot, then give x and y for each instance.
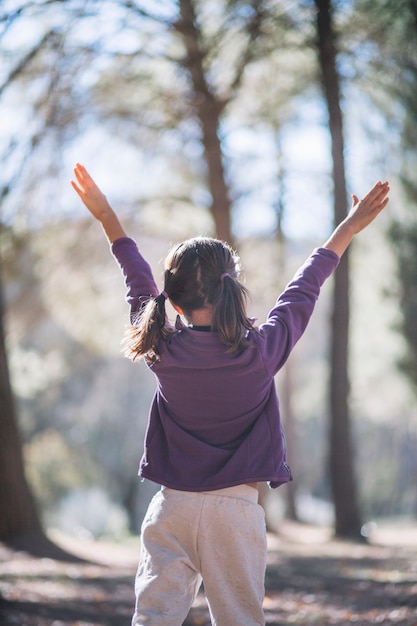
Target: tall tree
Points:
(18, 517)
(20, 523)
(209, 108)
(347, 516)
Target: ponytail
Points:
(229, 314)
(143, 337)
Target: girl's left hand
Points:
(364, 211)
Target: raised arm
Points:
(362, 213)
(96, 202)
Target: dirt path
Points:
(311, 580)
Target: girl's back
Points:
(214, 420)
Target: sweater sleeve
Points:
(289, 318)
(139, 281)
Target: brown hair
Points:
(198, 272)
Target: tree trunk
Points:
(289, 429)
(287, 391)
(18, 512)
(208, 113)
(20, 524)
(347, 522)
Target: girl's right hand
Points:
(90, 194)
(96, 203)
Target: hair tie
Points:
(223, 276)
(164, 295)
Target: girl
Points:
(214, 427)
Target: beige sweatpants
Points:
(217, 537)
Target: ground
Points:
(311, 580)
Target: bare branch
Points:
(23, 63)
(254, 31)
(133, 6)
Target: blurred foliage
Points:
(404, 237)
(54, 468)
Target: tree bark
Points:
(208, 109)
(347, 516)
(20, 524)
(287, 391)
(18, 512)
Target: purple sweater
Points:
(214, 421)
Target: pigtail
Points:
(229, 314)
(143, 337)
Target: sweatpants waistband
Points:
(244, 492)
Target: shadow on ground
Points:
(309, 582)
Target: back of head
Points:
(193, 271)
(199, 272)
(204, 271)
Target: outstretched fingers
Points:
(378, 193)
(84, 180)
(380, 198)
(79, 185)
(88, 191)
(96, 202)
(365, 211)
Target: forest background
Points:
(204, 118)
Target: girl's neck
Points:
(201, 317)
